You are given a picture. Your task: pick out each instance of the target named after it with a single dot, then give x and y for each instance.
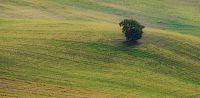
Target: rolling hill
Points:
(75, 49)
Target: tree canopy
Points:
(132, 29)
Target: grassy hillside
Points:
(178, 15)
(75, 49)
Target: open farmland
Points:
(75, 49)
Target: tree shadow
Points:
(123, 42)
(131, 43)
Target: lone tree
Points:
(132, 29)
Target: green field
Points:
(75, 49)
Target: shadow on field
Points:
(126, 43)
(131, 43)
